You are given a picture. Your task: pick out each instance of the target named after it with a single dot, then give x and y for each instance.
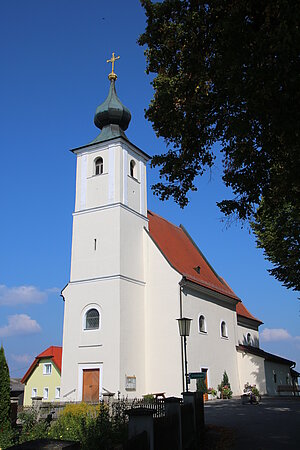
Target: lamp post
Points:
(184, 325)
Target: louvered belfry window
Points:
(92, 319)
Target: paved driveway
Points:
(273, 424)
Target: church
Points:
(133, 274)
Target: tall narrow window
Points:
(92, 319)
(249, 339)
(46, 393)
(202, 324)
(98, 166)
(224, 329)
(132, 168)
(34, 392)
(95, 244)
(57, 392)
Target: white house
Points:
(132, 275)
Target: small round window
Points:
(92, 319)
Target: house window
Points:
(274, 376)
(224, 329)
(34, 392)
(46, 393)
(57, 392)
(132, 168)
(47, 369)
(98, 166)
(249, 339)
(202, 324)
(92, 319)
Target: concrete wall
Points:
(40, 381)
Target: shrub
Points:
(212, 391)
(148, 397)
(88, 424)
(7, 437)
(224, 388)
(4, 392)
(31, 428)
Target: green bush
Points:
(88, 424)
(4, 392)
(31, 427)
(8, 437)
(224, 388)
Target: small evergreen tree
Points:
(224, 388)
(225, 381)
(4, 392)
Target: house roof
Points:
(184, 256)
(53, 353)
(267, 356)
(241, 310)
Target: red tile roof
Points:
(53, 353)
(241, 310)
(184, 256)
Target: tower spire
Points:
(112, 75)
(112, 117)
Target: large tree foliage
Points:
(228, 72)
(4, 392)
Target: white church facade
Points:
(132, 275)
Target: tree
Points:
(4, 391)
(228, 72)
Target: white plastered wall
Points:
(162, 307)
(252, 371)
(210, 350)
(282, 372)
(242, 332)
(90, 347)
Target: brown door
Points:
(90, 388)
(205, 396)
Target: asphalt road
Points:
(273, 424)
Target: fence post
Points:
(36, 404)
(196, 400)
(140, 421)
(173, 410)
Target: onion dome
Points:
(112, 117)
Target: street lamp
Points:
(184, 325)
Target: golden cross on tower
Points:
(112, 75)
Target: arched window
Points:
(92, 319)
(202, 324)
(249, 338)
(98, 166)
(132, 168)
(224, 329)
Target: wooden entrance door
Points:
(90, 388)
(205, 396)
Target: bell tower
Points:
(107, 282)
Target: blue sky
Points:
(53, 76)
